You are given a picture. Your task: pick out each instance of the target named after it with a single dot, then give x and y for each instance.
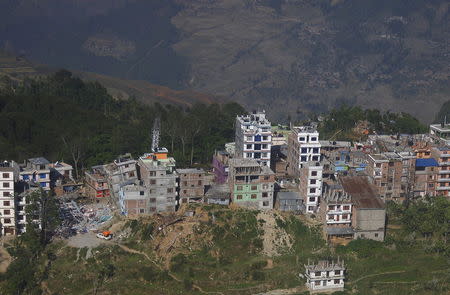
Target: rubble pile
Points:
(82, 218)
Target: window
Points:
(253, 196)
(346, 207)
(152, 209)
(5, 175)
(391, 164)
(313, 173)
(330, 207)
(184, 191)
(5, 194)
(317, 274)
(265, 186)
(313, 138)
(303, 158)
(184, 183)
(376, 235)
(239, 188)
(378, 165)
(265, 195)
(239, 197)
(264, 146)
(7, 220)
(249, 146)
(6, 212)
(301, 139)
(266, 177)
(304, 150)
(266, 203)
(42, 175)
(152, 173)
(344, 216)
(152, 200)
(43, 184)
(312, 199)
(337, 282)
(131, 174)
(337, 272)
(312, 190)
(141, 211)
(6, 203)
(315, 150)
(199, 182)
(312, 181)
(317, 283)
(6, 184)
(170, 190)
(152, 181)
(249, 138)
(254, 188)
(25, 177)
(265, 138)
(315, 158)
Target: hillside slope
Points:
(288, 57)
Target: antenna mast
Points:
(155, 134)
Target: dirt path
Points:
(374, 275)
(295, 290)
(274, 238)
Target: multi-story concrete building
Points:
(191, 184)
(426, 177)
(369, 212)
(442, 157)
(303, 147)
(325, 276)
(134, 199)
(336, 213)
(393, 174)
(8, 176)
(158, 176)
(251, 184)
(96, 183)
(441, 132)
(122, 170)
(253, 137)
(37, 172)
(310, 186)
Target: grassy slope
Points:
(224, 257)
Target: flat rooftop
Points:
(363, 194)
(190, 171)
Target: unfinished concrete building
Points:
(251, 184)
(325, 276)
(393, 174)
(336, 213)
(191, 184)
(290, 202)
(254, 137)
(442, 157)
(157, 172)
(96, 183)
(122, 170)
(426, 177)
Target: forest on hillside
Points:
(63, 118)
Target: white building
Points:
(303, 147)
(253, 137)
(8, 175)
(325, 276)
(310, 186)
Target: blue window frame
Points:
(42, 175)
(25, 177)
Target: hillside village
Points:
(340, 186)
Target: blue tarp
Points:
(426, 163)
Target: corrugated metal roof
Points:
(426, 163)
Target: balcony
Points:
(443, 180)
(444, 171)
(443, 188)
